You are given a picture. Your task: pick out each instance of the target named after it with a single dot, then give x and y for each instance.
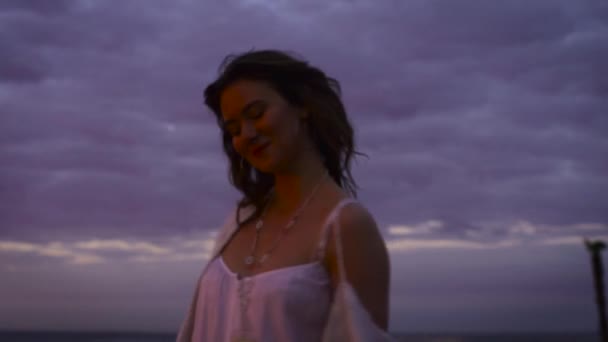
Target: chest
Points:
(298, 245)
(276, 303)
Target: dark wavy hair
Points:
(303, 86)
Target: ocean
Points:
(22, 336)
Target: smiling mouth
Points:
(259, 150)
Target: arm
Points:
(366, 261)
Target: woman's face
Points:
(266, 130)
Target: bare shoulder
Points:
(358, 222)
(359, 233)
(365, 257)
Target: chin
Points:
(265, 167)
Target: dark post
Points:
(595, 248)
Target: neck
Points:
(294, 187)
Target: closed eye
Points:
(257, 111)
(233, 128)
(254, 112)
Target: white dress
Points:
(287, 304)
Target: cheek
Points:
(238, 145)
(264, 131)
(290, 132)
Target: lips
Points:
(257, 150)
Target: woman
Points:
(296, 234)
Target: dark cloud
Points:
(21, 66)
(42, 8)
(471, 111)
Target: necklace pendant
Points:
(249, 260)
(259, 224)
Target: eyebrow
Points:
(247, 107)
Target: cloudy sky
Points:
(484, 121)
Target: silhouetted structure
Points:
(595, 248)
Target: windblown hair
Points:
(302, 86)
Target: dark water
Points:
(6, 336)
(500, 337)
